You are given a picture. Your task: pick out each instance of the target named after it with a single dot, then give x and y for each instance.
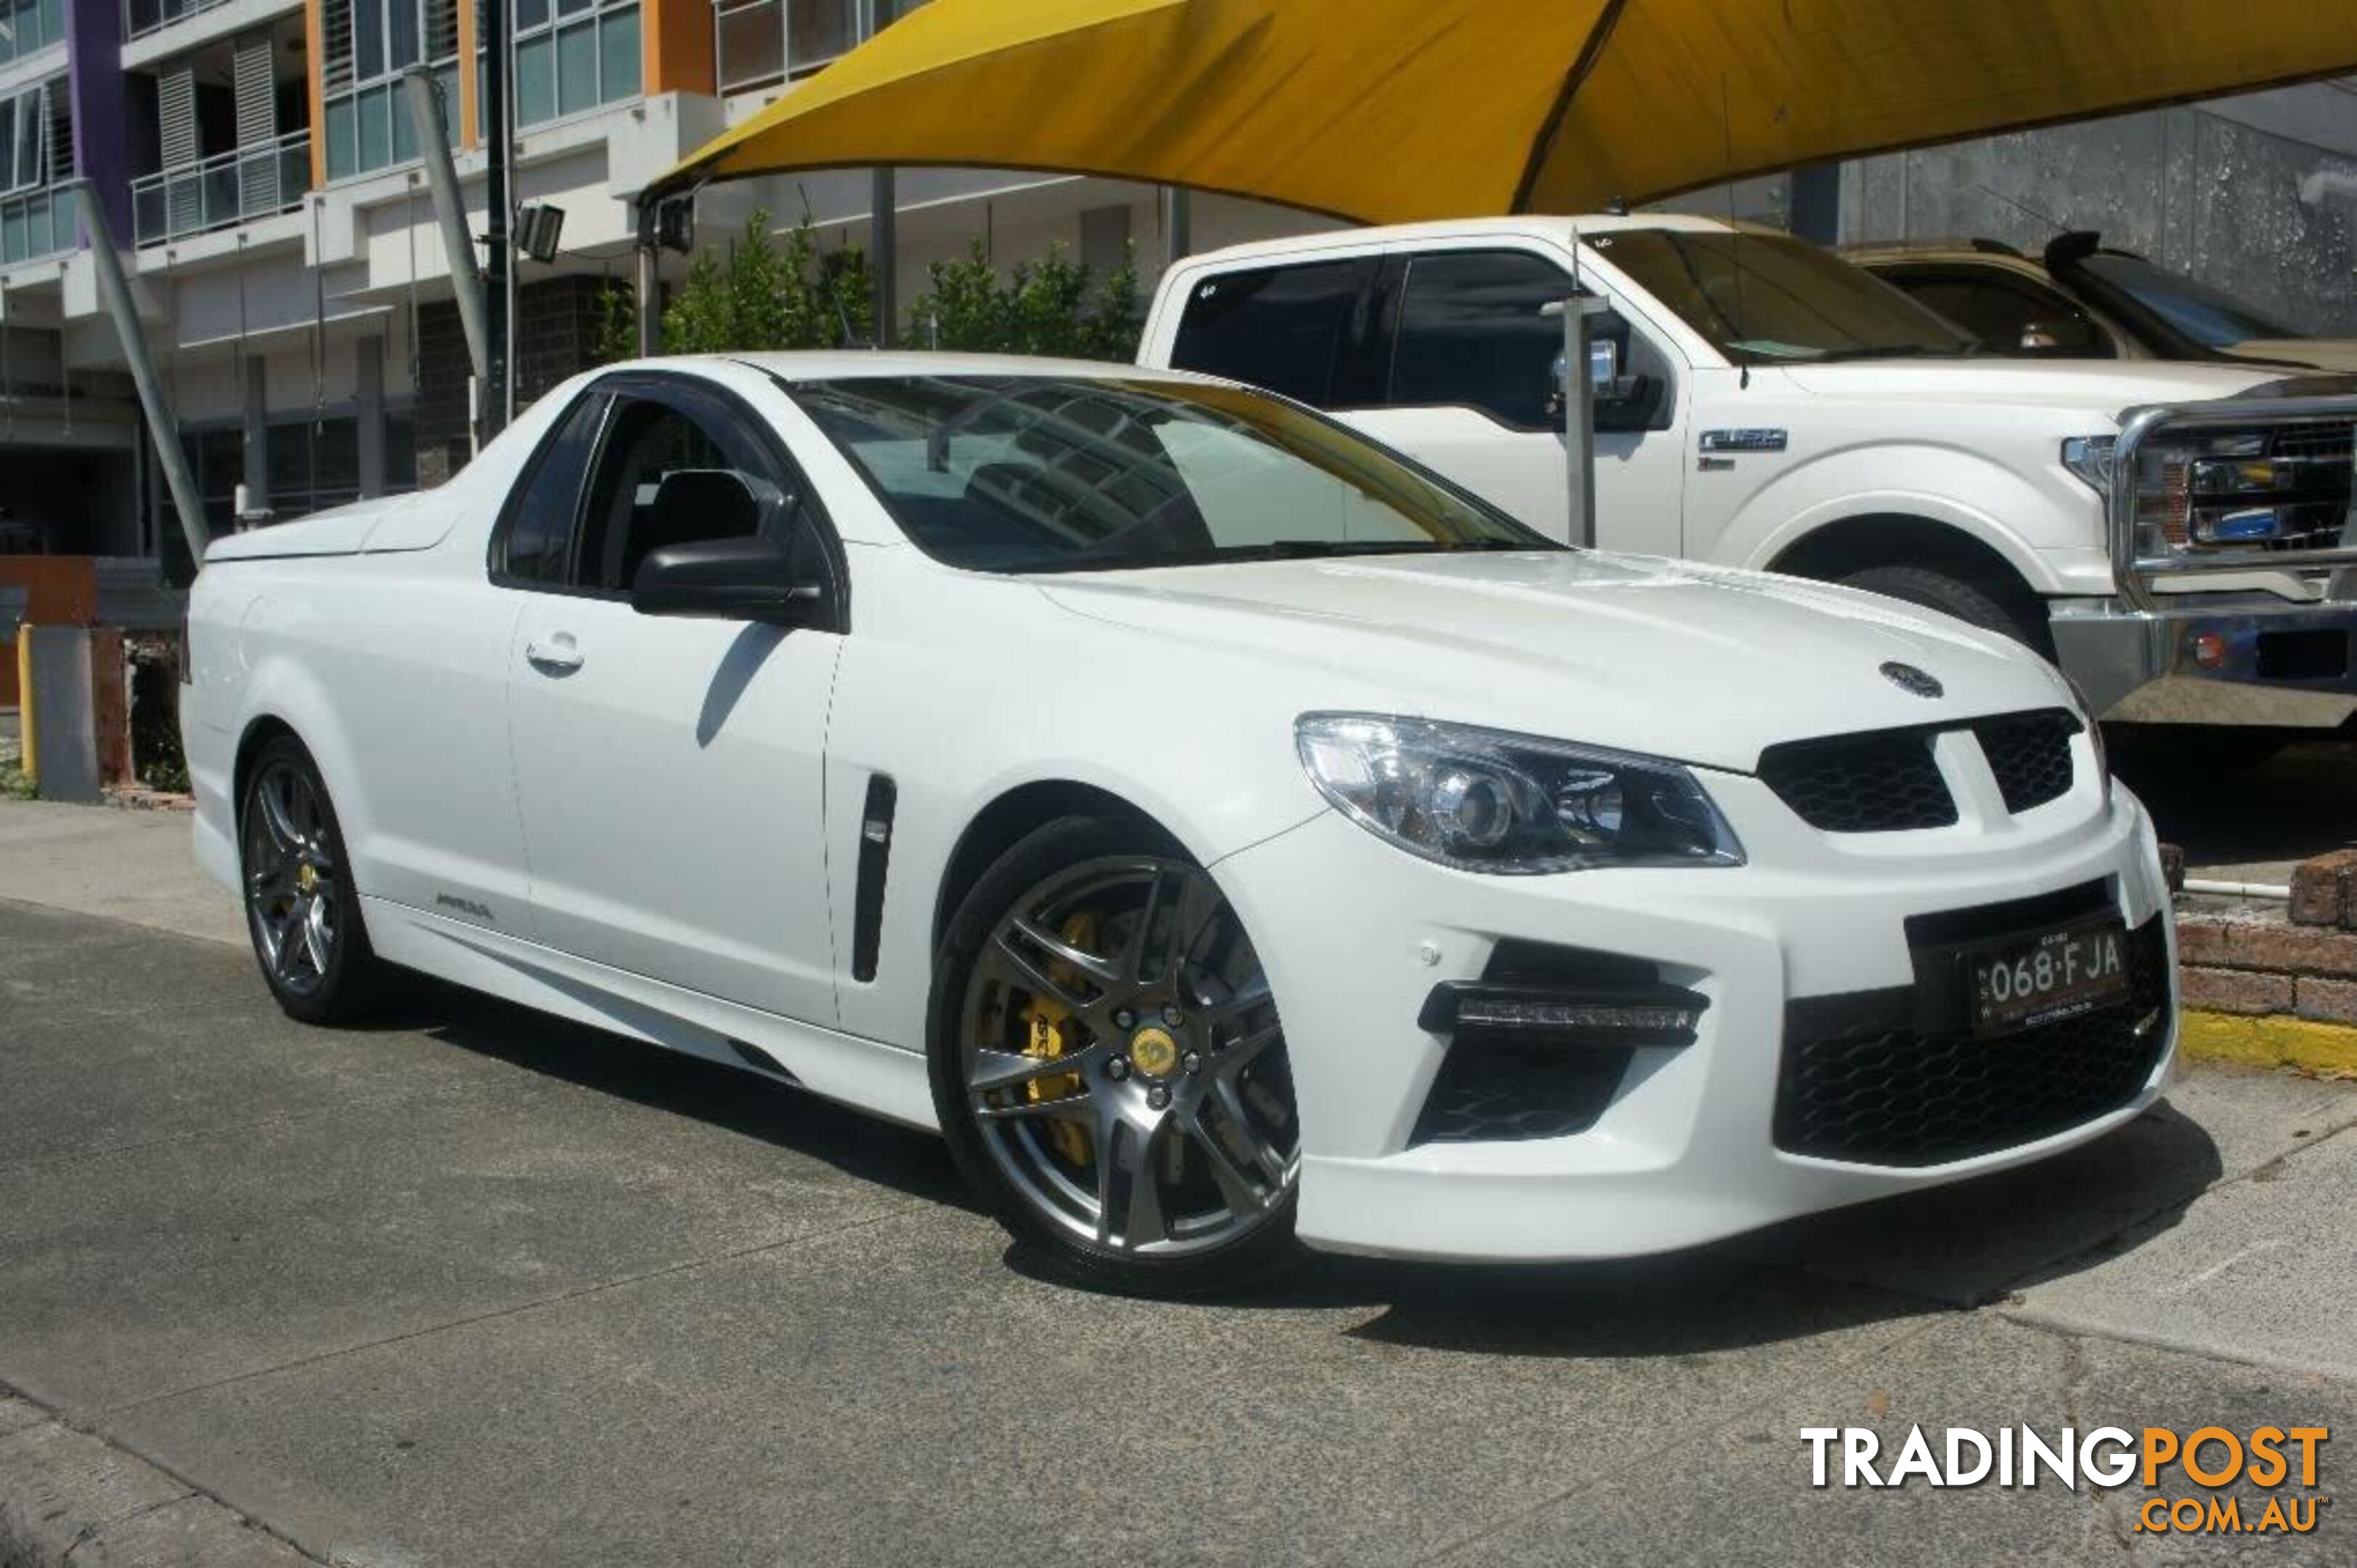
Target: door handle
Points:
(560, 657)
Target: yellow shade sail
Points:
(1388, 110)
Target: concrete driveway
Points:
(475, 1287)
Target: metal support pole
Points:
(499, 280)
(114, 295)
(883, 238)
(1578, 416)
(450, 211)
(644, 288)
(1177, 223)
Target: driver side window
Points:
(668, 472)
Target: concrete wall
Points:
(2256, 195)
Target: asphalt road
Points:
(479, 1288)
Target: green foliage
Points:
(768, 291)
(767, 295)
(1052, 306)
(617, 325)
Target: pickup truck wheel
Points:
(1108, 1066)
(301, 908)
(1974, 602)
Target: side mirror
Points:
(727, 579)
(1604, 369)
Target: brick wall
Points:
(556, 336)
(2253, 963)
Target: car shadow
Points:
(1947, 1248)
(745, 1102)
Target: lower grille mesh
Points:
(1884, 1095)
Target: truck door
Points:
(1472, 389)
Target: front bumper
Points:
(1355, 935)
(2212, 659)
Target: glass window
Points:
(577, 55)
(2210, 316)
(2006, 314)
(817, 31)
(576, 70)
(668, 473)
(1069, 474)
(537, 532)
(368, 120)
(1762, 297)
(1470, 333)
(1280, 327)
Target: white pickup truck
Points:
(1760, 402)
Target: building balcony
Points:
(141, 18)
(760, 43)
(36, 223)
(221, 191)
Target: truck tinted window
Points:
(1280, 328)
(2009, 316)
(1470, 333)
(534, 538)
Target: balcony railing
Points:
(143, 16)
(758, 43)
(221, 191)
(37, 223)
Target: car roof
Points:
(851, 364)
(1526, 224)
(1950, 249)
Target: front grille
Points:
(2320, 508)
(1863, 1080)
(1492, 1087)
(2030, 755)
(1877, 783)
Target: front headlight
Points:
(1483, 799)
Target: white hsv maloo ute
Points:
(1220, 829)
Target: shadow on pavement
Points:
(742, 1102)
(1949, 1248)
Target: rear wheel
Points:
(1991, 606)
(301, 909)
(1109, 1068)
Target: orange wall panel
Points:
(678, 45)
(314, 29)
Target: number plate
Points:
(2024, 984)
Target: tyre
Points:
(1109, 1068)
(301, 909)
(1992, 607)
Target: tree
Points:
(764, 291)
(1052, 306)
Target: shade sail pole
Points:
(163, 429)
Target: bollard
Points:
(60, 714)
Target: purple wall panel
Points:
(94, 76)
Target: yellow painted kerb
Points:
(2271, 1041)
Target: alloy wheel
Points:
(291, 878)
(1123, 1061)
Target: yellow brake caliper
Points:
(1046, 1025)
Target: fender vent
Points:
(875, 852)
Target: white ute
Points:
(1212, 824)
(1762, 403)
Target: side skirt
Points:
(863, 1074)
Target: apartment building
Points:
(259, 165)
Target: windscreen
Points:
(1766, 297)
(1058, 473)
(2211, 317)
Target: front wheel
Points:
(301, 909)
(1109, 1068)
(2002, 609)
